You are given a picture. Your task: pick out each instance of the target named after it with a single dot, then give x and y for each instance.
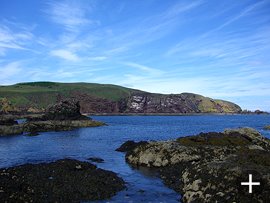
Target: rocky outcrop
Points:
(91, 104)
(68, 109)
(43, 126)
(6, 106)
(62, 116)
(34, 127)
(210, 167)
(178, 103)
(267, 127)
(65, 180)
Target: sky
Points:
(219, 49)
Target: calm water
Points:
(142, 186)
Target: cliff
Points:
(99, 98)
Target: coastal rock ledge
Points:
(210, 167)
(65, 180)
(64, 115)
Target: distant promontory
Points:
(34, 97)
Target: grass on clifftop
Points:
(41, 94)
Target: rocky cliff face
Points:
(142, 102)
(178, 103)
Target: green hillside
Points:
(41, 94)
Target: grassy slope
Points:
(45, 92)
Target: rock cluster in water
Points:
(210, 167)
(64, 115)
(65, 180)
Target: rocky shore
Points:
(65, 180)
(210, 167)
(62, 116)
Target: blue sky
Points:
(220, 49)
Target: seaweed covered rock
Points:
(130, 145)
(65, 180)
(210, 167)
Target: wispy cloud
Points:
(181, 7)
(69, 14)
(154, 27)
(97, 58)
(13, 40)
(152, 71)
(242, 14)
(65, 54)
(209, 34)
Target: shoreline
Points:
(31, 115)
(168, 114)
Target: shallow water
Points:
(142, 185)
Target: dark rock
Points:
(259, 112)
(61, 181)
(215, 139)
(209, 167)
(64, 110)
(96, 159)
(54, 125)
(8, 122)
(130, 145)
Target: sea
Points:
(142, 183)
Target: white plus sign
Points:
(250, 183)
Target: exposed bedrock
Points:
(210, 167)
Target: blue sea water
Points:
(142, 185)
